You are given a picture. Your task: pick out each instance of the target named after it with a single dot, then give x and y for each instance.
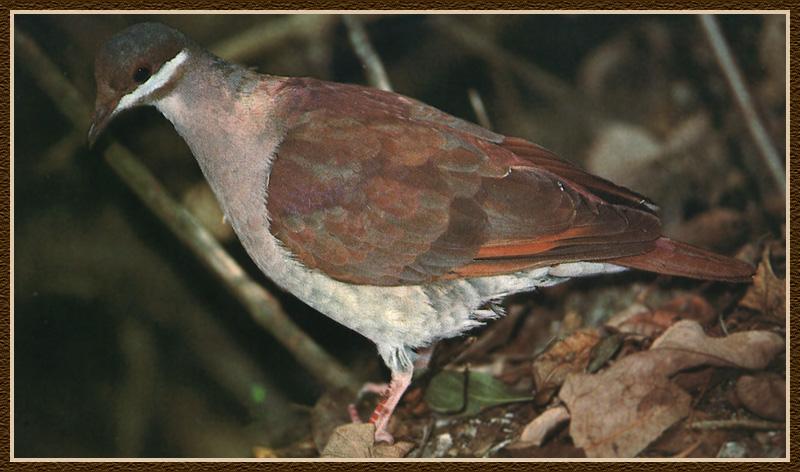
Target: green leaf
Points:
(445, 393)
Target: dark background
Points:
(124, 345)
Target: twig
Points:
(692, 447)
(737, 424)
(722, 323)
(478, 107)
(135, 400)
(427, 432)
(376, 74)
(548, 85)
(271, 35)
(260, 304)
(59, 155)
(734, 78)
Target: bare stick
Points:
(550, 86)
(59, 155)
(271, 35)
(737, 424)
(734, 78)
(480, 110)
(376, 74)
(261, 305)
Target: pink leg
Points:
(384, 389)
(369, 387)
(383, 412)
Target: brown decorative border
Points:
(5, 221)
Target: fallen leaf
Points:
(639, 319)
(691, 307)
(619, 411)
(541, 427)
(351, 440)
(446, 394)
(764, 394)
(617, 414)
(695, 379)
(357, 440)
(329, 412)
(768, 292)
(720, 229)
(603, 351)
(619, 149)
(681, 441)
(745, 350)
(620, 321)
(392, 451)
(651, 324)
(568, 355)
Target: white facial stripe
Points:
(153, 83)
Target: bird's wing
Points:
(375, 188)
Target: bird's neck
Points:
(227, 116)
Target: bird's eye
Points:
(141, 74)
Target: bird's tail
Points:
(676, 258)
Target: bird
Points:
(401, 222)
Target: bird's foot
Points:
(383, 411)
(381, 389)
(384, 436)
(369, 387)
(391, 395)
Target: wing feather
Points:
(375, 188)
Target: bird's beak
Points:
(102, 116)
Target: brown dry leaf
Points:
(604, 351)
(691, 307)
(354, 440)
(768, 292)
(540, 428)
(720, 229)
(621, 147)
(650, 324)
(619, 411)
(328, 413)
(392, 451)
(619, 320)
(357, 440)
(639, 319)
(744, 350)
(568, 355)
(764, 394)
(681, 441)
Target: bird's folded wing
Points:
(375, 188)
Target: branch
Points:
(736, 423)
(260, 304)
(479, 108)
(376, 74)
(743, 99)
(548, 85)
(271, 35)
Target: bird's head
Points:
(136, 67)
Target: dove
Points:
(397, 220)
